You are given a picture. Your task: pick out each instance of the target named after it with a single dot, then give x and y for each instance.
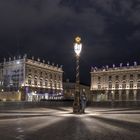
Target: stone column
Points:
(127, 98)
(135, 95)
(106, 95)
(127, 95)
(113, 95)
(112, 98)
(120, 95)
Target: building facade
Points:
(117, 83)
(1, 76)
(35, 79)
(69, 90)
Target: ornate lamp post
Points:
(77, 49)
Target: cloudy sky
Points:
(110, 32)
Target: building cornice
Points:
(116, 69)
(43, 65)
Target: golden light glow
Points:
(78, 39)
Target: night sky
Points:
(110, 32)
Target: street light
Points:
(77, 49)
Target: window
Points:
(110, 85)
(117, 85)
(29, 81)
(138, 76)
(124, 77)
(131, 76)
(59, 77)
(35, 81)
(46, 74)
(58, 84)
(99, 79)
(46, 82)
(131, 84)
(99, 86)
(124, 85)
(117, 77)
(55, 76)
(110, 78)
(41, 82)
(41, 74)
(138, 84)
(51, 84)
(50, 76)
(55, 83)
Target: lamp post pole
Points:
(77, 49)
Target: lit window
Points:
(18, 62)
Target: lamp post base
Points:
(76, 108)
(76, 103)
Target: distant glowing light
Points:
(18, 62)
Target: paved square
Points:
(61, 124)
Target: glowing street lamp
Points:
(78, 46)
(77, 49)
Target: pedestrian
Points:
(83, 102)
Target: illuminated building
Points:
(117, 83)
(69, 90)
(1, 78)
(34, 79)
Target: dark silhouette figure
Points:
(83, 101)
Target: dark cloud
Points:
(109, 29)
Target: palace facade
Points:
(69, 90)
(116, 83)
(34, 79)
